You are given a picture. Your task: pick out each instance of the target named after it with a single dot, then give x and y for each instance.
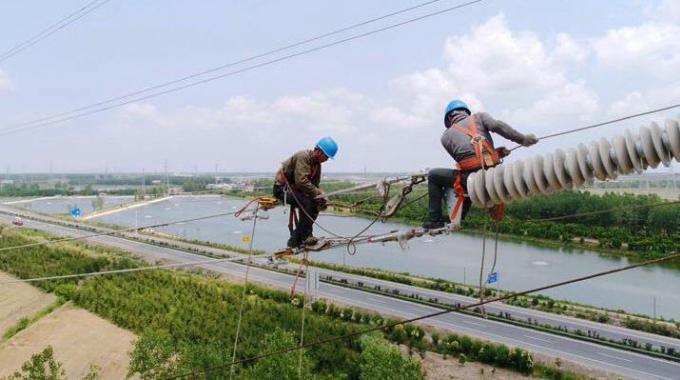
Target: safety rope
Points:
(495, 250)
(298, 274)
(245, 287)
(351, 241)
(479, 149)
(435, 314)
(481, 266)
(302, 316)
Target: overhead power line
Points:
(50, 30)
(351, 335)
(597, 212)
(92, 109)
(420, 318)
(608, 122)
(121, 271)
(227, 65)
(132, 229)
(114, 232)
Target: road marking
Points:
(613, 357)
(501, 337)
(539, 339)
(474, 323)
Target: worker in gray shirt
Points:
(467, 139)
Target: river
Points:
(454, 257)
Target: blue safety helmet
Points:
(328, 146)
(453, 106)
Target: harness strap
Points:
(485, 154)
(457, 213)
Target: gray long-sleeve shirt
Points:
(458, 145)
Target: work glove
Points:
(503, 152)
(321, 204)
(529, 140)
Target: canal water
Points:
(453, 257)
(63, 205)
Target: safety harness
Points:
(294, 217)
(485, 157)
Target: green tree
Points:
(41, 366)
(283, 367)
(151, 356)
(381, 360)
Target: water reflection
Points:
(455, 257)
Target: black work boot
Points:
(430, 225)
(310, 240)
(293, 242)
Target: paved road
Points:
(517, 313)
(593, 355)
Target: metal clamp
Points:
(396, 201)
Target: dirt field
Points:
(79, 339)
(18, 301)
(449, 369)
(438, 368)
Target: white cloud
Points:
(395, 117)
(644, 100)
(5, 82)
(522, 75)
(631, 103)
(531, 81)
(329, 111)
(568, 50)
(573, 102)
(651, 48)
(669, 11)
(493, 58)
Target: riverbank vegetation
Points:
(186, 321)
(635, 226)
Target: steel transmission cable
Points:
(57, 26)
(114, 232)
(227, 65)
(426, 316)
(245, 288)
(608, 122)
(30, 126)
(131, 229)
(122, 271)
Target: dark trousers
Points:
(438, 182)
(298, 199)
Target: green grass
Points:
(24, 322)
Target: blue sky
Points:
(540, 65)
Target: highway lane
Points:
(597, 356)
(517, 313)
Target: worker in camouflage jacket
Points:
(297, 184)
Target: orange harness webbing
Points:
(485, 156)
